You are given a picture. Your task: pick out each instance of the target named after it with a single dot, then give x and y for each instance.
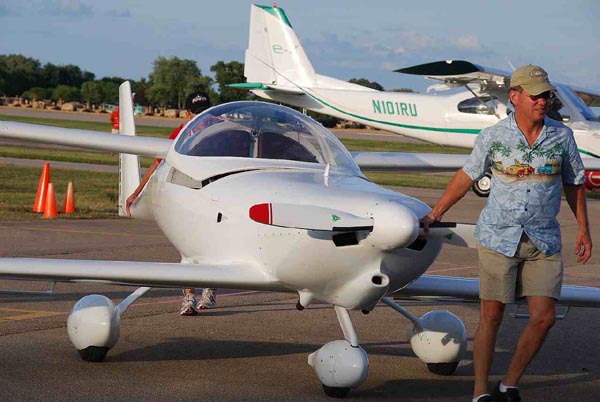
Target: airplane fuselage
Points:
(211, 224)
(433, 118)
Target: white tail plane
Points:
(277, 68)
(277, 65)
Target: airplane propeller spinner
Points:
(308, 217)
(395, 225)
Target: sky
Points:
(342, 38)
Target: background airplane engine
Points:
(94, 326)
(338, 364)
(440, 342)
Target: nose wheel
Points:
(341, 365)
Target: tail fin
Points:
(275, 55)
(129, 165)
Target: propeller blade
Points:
(308, 217)
(457, 234)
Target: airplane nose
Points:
(394, 226)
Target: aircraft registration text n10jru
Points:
(395, 108)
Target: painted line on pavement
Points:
(82, 232)
(33, 314)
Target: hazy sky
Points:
(343, 38)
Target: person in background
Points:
(194, 104)
(114, 119)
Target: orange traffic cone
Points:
(68, 206)
(40, 196)
(50, 208)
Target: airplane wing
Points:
(153, 274)
(468, 289)
(460, 72)
(145, 146)
(426, 162)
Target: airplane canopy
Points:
(262, 130)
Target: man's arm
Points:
(141, 186)
(575, 195)
(457, 188)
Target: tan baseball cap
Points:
(533, 79)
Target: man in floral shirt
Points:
(532, 157)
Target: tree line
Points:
(170, 82)
(172, 79)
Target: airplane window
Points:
(278, 146)
(221, 138)
(577, 103)
(474, 105)
(262, 130)
(227, 143)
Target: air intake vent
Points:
(345, 239)
(182, 179)
(419, 244)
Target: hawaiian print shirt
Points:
(526, 184)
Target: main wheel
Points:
(482, 186)
(442, 368)
(336, 392)
(93, 354)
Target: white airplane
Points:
(243, 192)
(277, 68)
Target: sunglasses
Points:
(548, 95)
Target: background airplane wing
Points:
(153, 274)
(460, 72)
(408, 161)
(427, 162)
(468, 289)
(145, 146)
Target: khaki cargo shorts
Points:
(528, 273)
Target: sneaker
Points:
(208, 299)
(188, 305)
(511, 394)
(485, 398)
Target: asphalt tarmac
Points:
(254, 346)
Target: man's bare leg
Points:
(490, 318)
(541, 319)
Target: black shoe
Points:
(511, 394)
(486, 398)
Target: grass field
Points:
(45, 154)
(94, 192)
